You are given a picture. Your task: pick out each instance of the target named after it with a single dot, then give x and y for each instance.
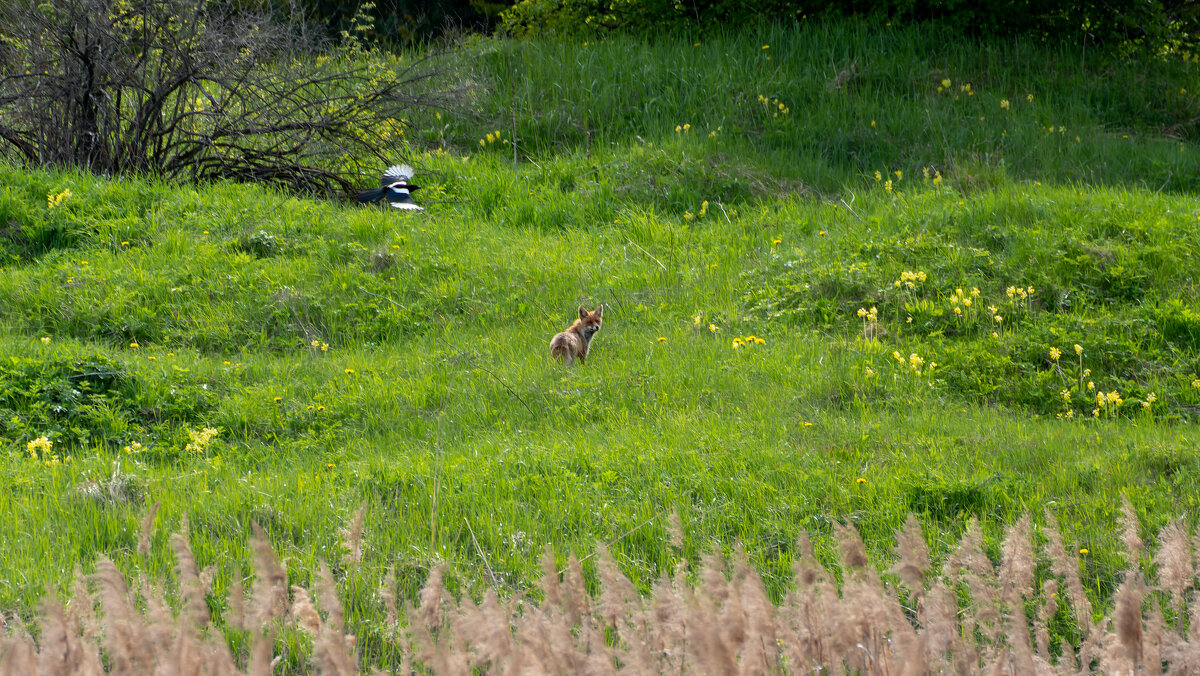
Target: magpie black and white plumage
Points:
(397, 189)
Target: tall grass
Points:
(716, 619)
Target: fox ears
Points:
(583, 313)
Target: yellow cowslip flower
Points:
(490, 138)
(687, 127)
(704, 207)
(1070, 414)
(868, 372)
(1004, 104)
(899, 174)
(1078, 348)
(888, 185)
(1091, 386)
(873, 315)
(966, 302)
(1029, 290)
(872, 124)
(897, 357)
(713, 328)
(1029, 98)
(1055, 353)
(937, 177)
(1196, 383)
(878, 177)
(1151, 398)
(42, 444)
(915, 362)
(998, 319)
(678, 129)
(946, 83)
(957, 310)
(1066, 395)
(45, 340)
(862, 312)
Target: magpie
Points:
(396, 189)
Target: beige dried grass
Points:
(724, 623)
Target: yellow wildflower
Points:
(1004, 104)
(1055, 353)
(1078, 348)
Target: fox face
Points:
(589, 322)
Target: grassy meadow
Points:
(850, 272)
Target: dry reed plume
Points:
(975, 617)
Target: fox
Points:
(573, 343)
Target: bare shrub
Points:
(186, 89)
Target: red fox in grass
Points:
(573, 343)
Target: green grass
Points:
(437, 379)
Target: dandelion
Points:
(134, 345)
(1004, 104)
(766, 46)
(937, 177)
(687, 127)
(1083, 551)
(662, 339)
(349, 372)
(278, 400)
(738, 343)
(713, 328)
(320, 408)
(860, 481)
(761, 341)
(775, 241)
(1055, 353)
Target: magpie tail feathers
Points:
(371, 195)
